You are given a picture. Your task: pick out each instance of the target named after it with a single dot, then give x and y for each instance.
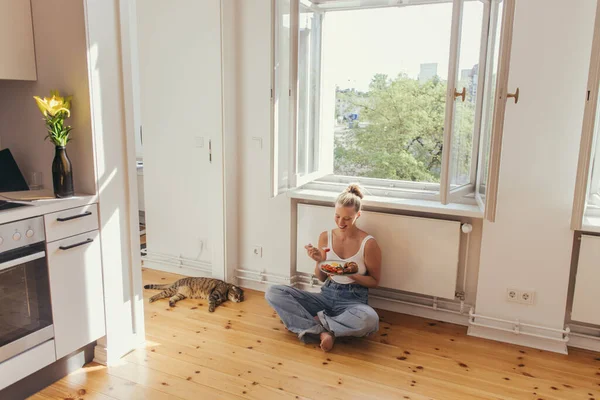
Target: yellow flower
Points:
(53, 105)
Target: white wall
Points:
(259, 219)
(116, 175)
(263, 221)
(61, 64)
(529, 246)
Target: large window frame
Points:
(444, 192)
(586, 202)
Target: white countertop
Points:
(41, 207)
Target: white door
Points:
(181, 113)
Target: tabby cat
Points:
(215, 290)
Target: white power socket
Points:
(527, 296)
(521, 296)
(512, 295)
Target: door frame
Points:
(133, 122)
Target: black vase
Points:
(62, 174)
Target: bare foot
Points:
(326, 341)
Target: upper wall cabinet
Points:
(586, 205)
(16, 41)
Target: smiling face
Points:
(345, 217)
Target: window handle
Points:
(462, 94)
(85, 214)
(514, 95)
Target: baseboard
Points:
(584, 343)
(110, 355)
(417, 311)
(50, 374)
(103, 355)
(246, 284)
(520, 340)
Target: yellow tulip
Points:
(53, 105)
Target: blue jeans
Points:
(342, 310)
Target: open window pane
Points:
(586, 201)
(281, 99)
(593, 197)
(591, 216)
(391, 66)
(465, 122)
(309, 63)
(371, 95)
(489, 97)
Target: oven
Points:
(25, 307)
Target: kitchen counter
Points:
(40, 207)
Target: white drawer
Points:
(71, 222)
(77, 292)
(25, 364)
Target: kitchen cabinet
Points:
(75, 268)
(17, 41)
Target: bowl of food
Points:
(338, 267)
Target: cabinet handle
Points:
(85, 214)
(76, 244)
(514, 95)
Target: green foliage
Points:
(58, 132)
(400, 134)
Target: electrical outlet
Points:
(521, 296)
(512, 295)
(257, 251)
(527, 296)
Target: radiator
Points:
(587, 295)
(420, 255)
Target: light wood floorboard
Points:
(243, 351)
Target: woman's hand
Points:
(315, 253)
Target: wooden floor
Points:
(243, 351)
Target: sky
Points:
(358, 44)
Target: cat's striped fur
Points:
(215, 290)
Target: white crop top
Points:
(358, 258)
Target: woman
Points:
(341, 308)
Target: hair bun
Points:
(355, 190)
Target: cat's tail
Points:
(157, 287)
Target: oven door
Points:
(25, 308)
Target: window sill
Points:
(418, 205)
(591, 224)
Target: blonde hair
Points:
(351, 197)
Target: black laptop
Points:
(11, 178)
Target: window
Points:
(586, 206)
(593, 195)
(400, 98)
